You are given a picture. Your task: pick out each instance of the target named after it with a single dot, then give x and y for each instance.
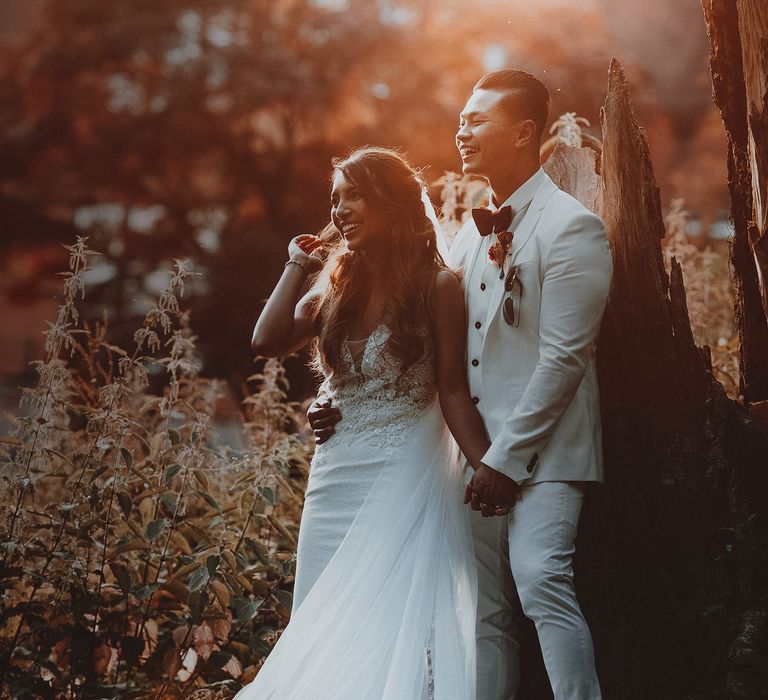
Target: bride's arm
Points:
(287, 322)
(449, 322)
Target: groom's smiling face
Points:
(487, 133)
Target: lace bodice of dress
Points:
(376, 402)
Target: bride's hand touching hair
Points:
(304, 250)
(287, 322)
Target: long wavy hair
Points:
(388, 183)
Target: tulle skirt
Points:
(384, 607)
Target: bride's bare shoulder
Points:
(447, 295)
(447, 281)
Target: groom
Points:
(537, 271)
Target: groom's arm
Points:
(577, 278)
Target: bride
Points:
(384, 600)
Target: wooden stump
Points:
(671, 562)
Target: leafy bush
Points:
(142, 556)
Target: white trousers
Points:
(532, 550)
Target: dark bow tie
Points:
(489, 221)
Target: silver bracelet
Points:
(296, 262)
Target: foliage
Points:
(141, 556)
(568, 128)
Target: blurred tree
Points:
(204, 129)
(175, 129)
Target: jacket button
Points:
(532, 463)
(475, 363)
(482, 286)
(475, 400)
(478, 324)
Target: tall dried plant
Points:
(143, 556)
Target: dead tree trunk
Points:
(738, 33)
(671, 563)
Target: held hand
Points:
(322, 419)
(303, 250)
(491, 492)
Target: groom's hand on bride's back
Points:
(322, 417)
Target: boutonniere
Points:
(497, 222)
(497, 253)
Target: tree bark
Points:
(671, 565)
(738, 33)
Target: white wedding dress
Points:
(384, 601)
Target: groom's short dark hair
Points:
(526, 94)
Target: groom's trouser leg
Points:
(498, 611)
(542, 530)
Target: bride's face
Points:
(361, 226)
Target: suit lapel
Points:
(523, 233)
(528, 224)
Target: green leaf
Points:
(245, 609)
(199, 579)
(212, 563)
(123, 576)
(201, 479)
(240, 561)
(127, 457)
(208, 499)
(258, 550)
(267, 494)
(172, 471)
(155, 529)
(145, 590)
(169, 501)
(126, 504)
(196, 604)
(285, 598)
(99, 471)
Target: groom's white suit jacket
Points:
(535, 383)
